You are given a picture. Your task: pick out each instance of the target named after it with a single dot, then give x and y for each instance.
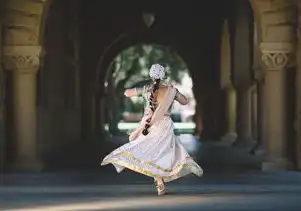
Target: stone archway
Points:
(103, 71)
(119, 44)
(22, 50)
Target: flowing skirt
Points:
(158, 154)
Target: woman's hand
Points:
(130, 93)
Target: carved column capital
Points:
(276, 56)
(23, 59)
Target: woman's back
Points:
(161, 95)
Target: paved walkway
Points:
(273, 191)
(232, 181)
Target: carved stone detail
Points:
(276, 18)
(275, 61)
(276, 56)
(24, 59)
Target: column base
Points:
(26, 166)
(276, 164)
(229, 137)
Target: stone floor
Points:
(232, 180)
(65, 191)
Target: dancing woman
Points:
(154, 150)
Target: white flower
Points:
(157, 71)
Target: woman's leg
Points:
(160, 185)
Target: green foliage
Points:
(133, 63)
(132, 66)
(135, 107)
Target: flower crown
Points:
(157, 72)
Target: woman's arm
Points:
(130, 92)
(182, 99)
(133, 92)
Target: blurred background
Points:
(131, 69)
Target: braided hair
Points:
(152, 102)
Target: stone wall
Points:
(58, 110)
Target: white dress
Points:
(158, 154)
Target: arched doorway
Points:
(130, 69)
(23, 33)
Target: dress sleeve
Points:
(179, 95)
(141, 90)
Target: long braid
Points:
(152, 102)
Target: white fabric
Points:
(157, 71)
(158, 154)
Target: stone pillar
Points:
(242, 62)
(260, 124)
(226, 84)
(258, 74)
(2, 108)
(230, 115)
(23, 61)
(253, 97)
(275, 57)
(298, 93)
(243, 116)
(261, 112)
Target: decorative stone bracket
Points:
(277, 56)
(24, 59)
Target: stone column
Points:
(275, 57)
(242, 62)
(230, 115)
(298, 93)
(261, 112)
(259, 76)
(226, 84)
(24, 63)
(253, 97)
(2, 108)
(243, 116)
